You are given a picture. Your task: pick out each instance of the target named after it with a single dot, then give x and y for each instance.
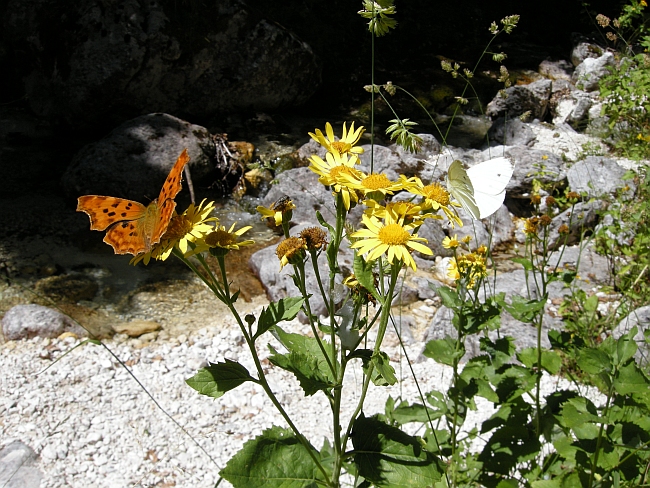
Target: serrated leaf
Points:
(551, 361)
(522, 309)
(594, 361)
(630, 379)
(363, 274)
(405, 413)
(387, 457)
(274, 459)
(444, 351)
(276, 312)
(305, 360)
(626, 346)
(218, 378)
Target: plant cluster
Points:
(568, 438)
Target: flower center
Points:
(178, 227)
(289, 247)
(340, 146)
(437, 193)
(376, 182)
(394, 235)
(336, 170)
(220, 238)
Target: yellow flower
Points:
(315, 238)
(436, 197)
(390, 238)
(401, 211)
(277, 209)
(290, 250)
(451, 242)
(373, 183)
(331, 170)
(344, 145)
(221, 238)
(470, 267)
(188, 227)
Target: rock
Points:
(580, 218)
(532, 164)
(91, 61)
(555, 70)
(27, 321)
(510, 132)
(384, 161)
(18, 466)
(412, 164)
(591, 70)
(639, 318)
(584, 49)
(136, 328)
(597, 176)
(135, 158)
(532, 98)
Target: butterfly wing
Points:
(123, 219)
(489, 180)
(460, 186)
(165, 202)
(105, 211)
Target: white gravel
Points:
(93, 425)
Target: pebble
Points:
(93, 425)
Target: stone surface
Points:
(532, 98)
(135, 158)
(136, 328)
(27, 321)
(18, 466)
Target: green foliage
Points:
(386, 456)
(626, 105)
(218, 378)
(274, 459)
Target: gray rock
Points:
(384, 160)
(584, 49)
(639, 318)
(597, 176)
(134, 159)
(591, 70)
(27, 321)
(412, 164)
(532, 164)
(309, 196)
(581, 218)
(533, 98)
(555, 70)
(510, 132)
(18, 466)
(102, 58)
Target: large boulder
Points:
(101, 62)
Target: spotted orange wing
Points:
(132, 227)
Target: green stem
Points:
(262, 377)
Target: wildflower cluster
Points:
(192, 232)
(468, 268)
(390, 225)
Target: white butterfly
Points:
(482, 188)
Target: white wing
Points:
(461, 187)
(489, 180)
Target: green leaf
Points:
(285, 309)
(305, 360)
(522, 309)
(444, 351)
(526, 263)
(276, 458)
(555, 483)
(383, 373)
(630, 379)
(594, 361)
(626, 346)
(322, 222)
(551, 361)
(363, 273)
(388, 457)
(218, 378)
(405, 413)
(449, 297)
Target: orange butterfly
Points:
(132, 227)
